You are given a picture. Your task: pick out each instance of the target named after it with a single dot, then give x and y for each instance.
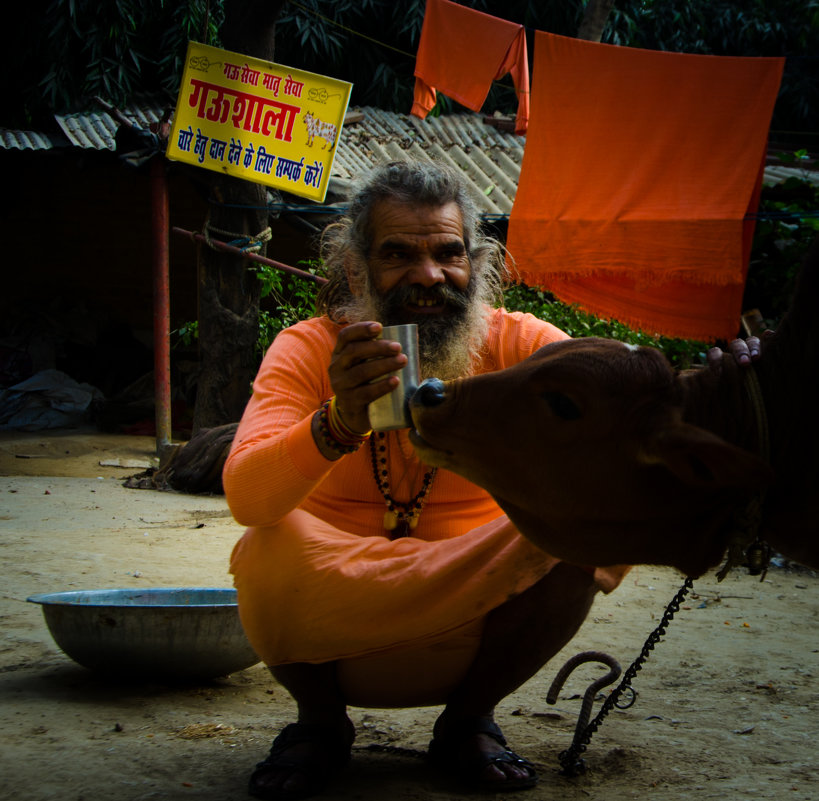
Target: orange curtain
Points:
(640, 170)
(461, 52)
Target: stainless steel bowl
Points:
(181, 632)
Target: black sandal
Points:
(446, 753)
(319, 768)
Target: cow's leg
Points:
(518, 639)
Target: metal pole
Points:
(218, 245)
(162, 306)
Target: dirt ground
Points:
(726, 706)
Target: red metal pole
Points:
(218, 245)
(162, 305)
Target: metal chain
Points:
(570, 761)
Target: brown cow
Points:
(601, 454)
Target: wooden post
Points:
(161, 293)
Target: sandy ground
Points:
(726, 704)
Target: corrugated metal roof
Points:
(775, 173)
(96, 130)
(490, 158)
(26, 140)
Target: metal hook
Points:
(588, 696)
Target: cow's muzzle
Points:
(431, 392)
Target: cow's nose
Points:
(430, 393)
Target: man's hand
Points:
(358, 360)
(744, 351)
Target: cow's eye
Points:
(562, 405)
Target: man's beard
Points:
(447, 342)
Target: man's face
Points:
(418, 271)
(419, 267)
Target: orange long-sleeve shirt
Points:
(275, 466)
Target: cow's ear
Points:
(699, 458)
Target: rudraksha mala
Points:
(401, 517)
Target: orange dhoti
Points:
(405, 614)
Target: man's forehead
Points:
(406, 222)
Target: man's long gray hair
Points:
(346, 244)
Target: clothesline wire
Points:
(351, 30)
(404, 52)
(413, 55)
(371, 39)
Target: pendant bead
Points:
(400, 531)
(401, 517)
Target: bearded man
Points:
(459, 610)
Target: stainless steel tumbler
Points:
(391, 411)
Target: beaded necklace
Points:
(401, 517)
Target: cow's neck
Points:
(722, 403)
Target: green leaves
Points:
(289, 299)
(576, 323)
(75, 49)
(797, 157)
(788, 224)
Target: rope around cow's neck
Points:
(744, 541)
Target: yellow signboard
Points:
(257, 120)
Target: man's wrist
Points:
(333, 437)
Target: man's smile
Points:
(427, 306)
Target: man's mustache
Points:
(438, 294)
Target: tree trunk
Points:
(228, 308)
(196, 467)
(594, 20)
(229, 293)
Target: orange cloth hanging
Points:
(461, 52)
(640, 170)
